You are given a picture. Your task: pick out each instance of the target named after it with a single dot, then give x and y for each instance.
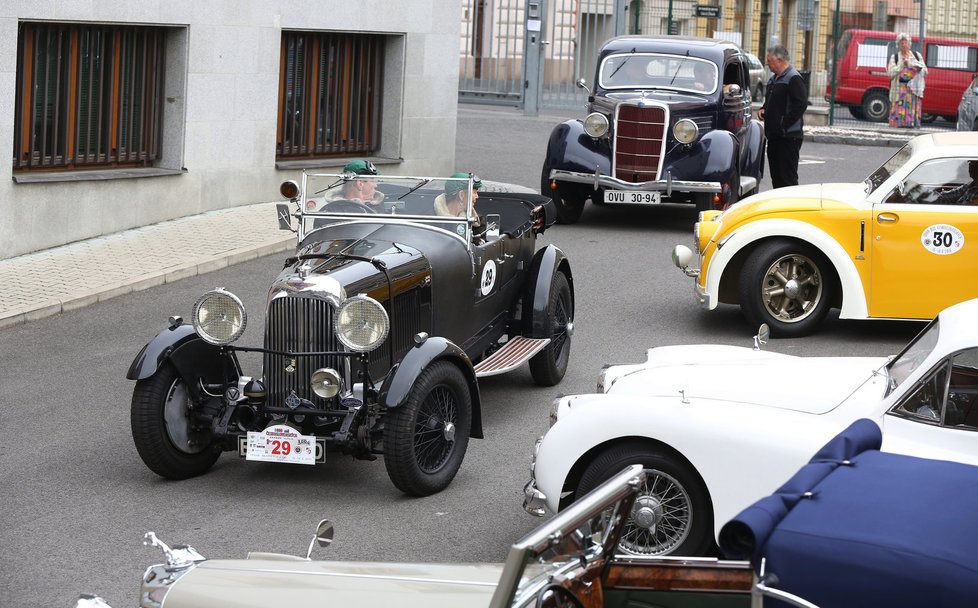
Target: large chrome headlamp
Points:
(685, 131)
(219, 317)
(361, 323)
(596, 124)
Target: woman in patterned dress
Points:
(906, 94)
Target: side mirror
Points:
(902, 187)
(323, 537)
(284, 217)
(763, 335)
(582, 84)
(733, 90)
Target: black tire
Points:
(928, 118)
(422, 452)
(161, 428)
(568, 199)
(857, 112)
(549, 365)
(672, 514)
(786, 285)
(876, 106)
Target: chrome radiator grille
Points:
(298, 325)
(639, 141)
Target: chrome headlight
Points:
(685, 131)
(325, 382)
(596, 124)
(219, 317)
(361, 323)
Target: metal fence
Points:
(848, 42)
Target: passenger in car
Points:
(965, 194)
(357, 190)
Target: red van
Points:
(865, 89)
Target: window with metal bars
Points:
(88, 96)
(330, 95)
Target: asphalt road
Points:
(76, 498)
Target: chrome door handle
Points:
(884, 218)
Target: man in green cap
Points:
(358, 190)
(455, 200)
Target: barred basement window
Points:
(330, 92)
(88, 96)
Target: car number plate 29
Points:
(281, 443)
(632, 197)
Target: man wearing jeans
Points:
(785, 103)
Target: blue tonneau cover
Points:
(858, 527)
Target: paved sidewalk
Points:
(60, 279)
(64, 278)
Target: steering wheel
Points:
(347, 206)
(560, 596)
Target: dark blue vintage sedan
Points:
(669, 122)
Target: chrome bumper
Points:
(701, 296)
(534, 501)
(597, 180)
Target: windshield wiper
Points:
(330, 187)
(379, 264)
(423, 182)
(676, 73)
(621, 65)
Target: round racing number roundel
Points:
(942, 239)
(488, 277)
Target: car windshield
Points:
(904, 364)
(439, 202)
(585, 532)
(876, 179)
(657, 71)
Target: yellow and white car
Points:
(901, 245)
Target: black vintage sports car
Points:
(669, 122)
(375, 334)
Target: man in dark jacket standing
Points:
(784, 106)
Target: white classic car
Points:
(717, 427)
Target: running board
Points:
(510, 356)
(747, 184)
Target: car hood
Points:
(810, 197)
(813, 385)
(261, 583)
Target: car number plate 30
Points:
(282, 443)
(632, 197)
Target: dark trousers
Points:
(782, 158)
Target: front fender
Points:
(193, 357)
(571, 149)
(712, 158)
(399, 382)
(854, 305)
(546, 263)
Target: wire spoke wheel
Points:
(434, 429)
(661, 517)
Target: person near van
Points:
(785, 102)
(907, 71)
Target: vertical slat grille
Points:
(639, 139)
(298, 325)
